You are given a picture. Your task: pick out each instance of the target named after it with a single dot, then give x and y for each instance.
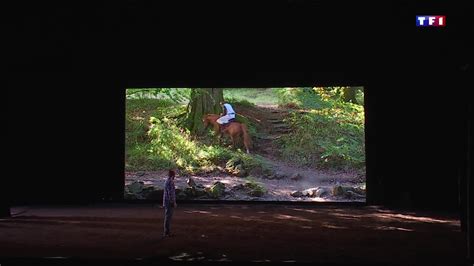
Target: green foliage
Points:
(139, 111)
(137, 143)
(155, 140)
(300, 98)
(137, 125)
(329, 134)
(173, 144)
(158, 107)
(216, 190)
(360, 96)
(256, 188)
(138, 158)
(254, 95)
(336, 93)
(241, 102)
(178, 95)
(253, 163)
(250, 163)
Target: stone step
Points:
(280, 126)
(270, 137)
(277, 122)
(282, 130)
(279, 112)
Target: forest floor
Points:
(269, 119)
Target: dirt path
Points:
(272, 127)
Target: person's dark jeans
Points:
(168, 214)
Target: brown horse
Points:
(234, 129)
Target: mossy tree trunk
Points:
(349, 94)
(203, 101)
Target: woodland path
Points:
(271, 127)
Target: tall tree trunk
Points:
(349, 94)
(203, 101)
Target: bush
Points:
(171, 143)
(300, 98)
(256, 164)
(251, 164)
(241, 102)
(140, 149)
(255, 188)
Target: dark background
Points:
(68, 66)
(71, 63)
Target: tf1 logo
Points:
(430, 21)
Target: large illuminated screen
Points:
(246, 144)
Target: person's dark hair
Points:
(171, 172)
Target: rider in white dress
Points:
(228, 114)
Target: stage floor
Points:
(235, 233)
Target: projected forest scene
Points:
(251, 144)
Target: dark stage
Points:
(64, 111)
(233, 233)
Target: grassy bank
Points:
(155, 140)
(329, 133)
